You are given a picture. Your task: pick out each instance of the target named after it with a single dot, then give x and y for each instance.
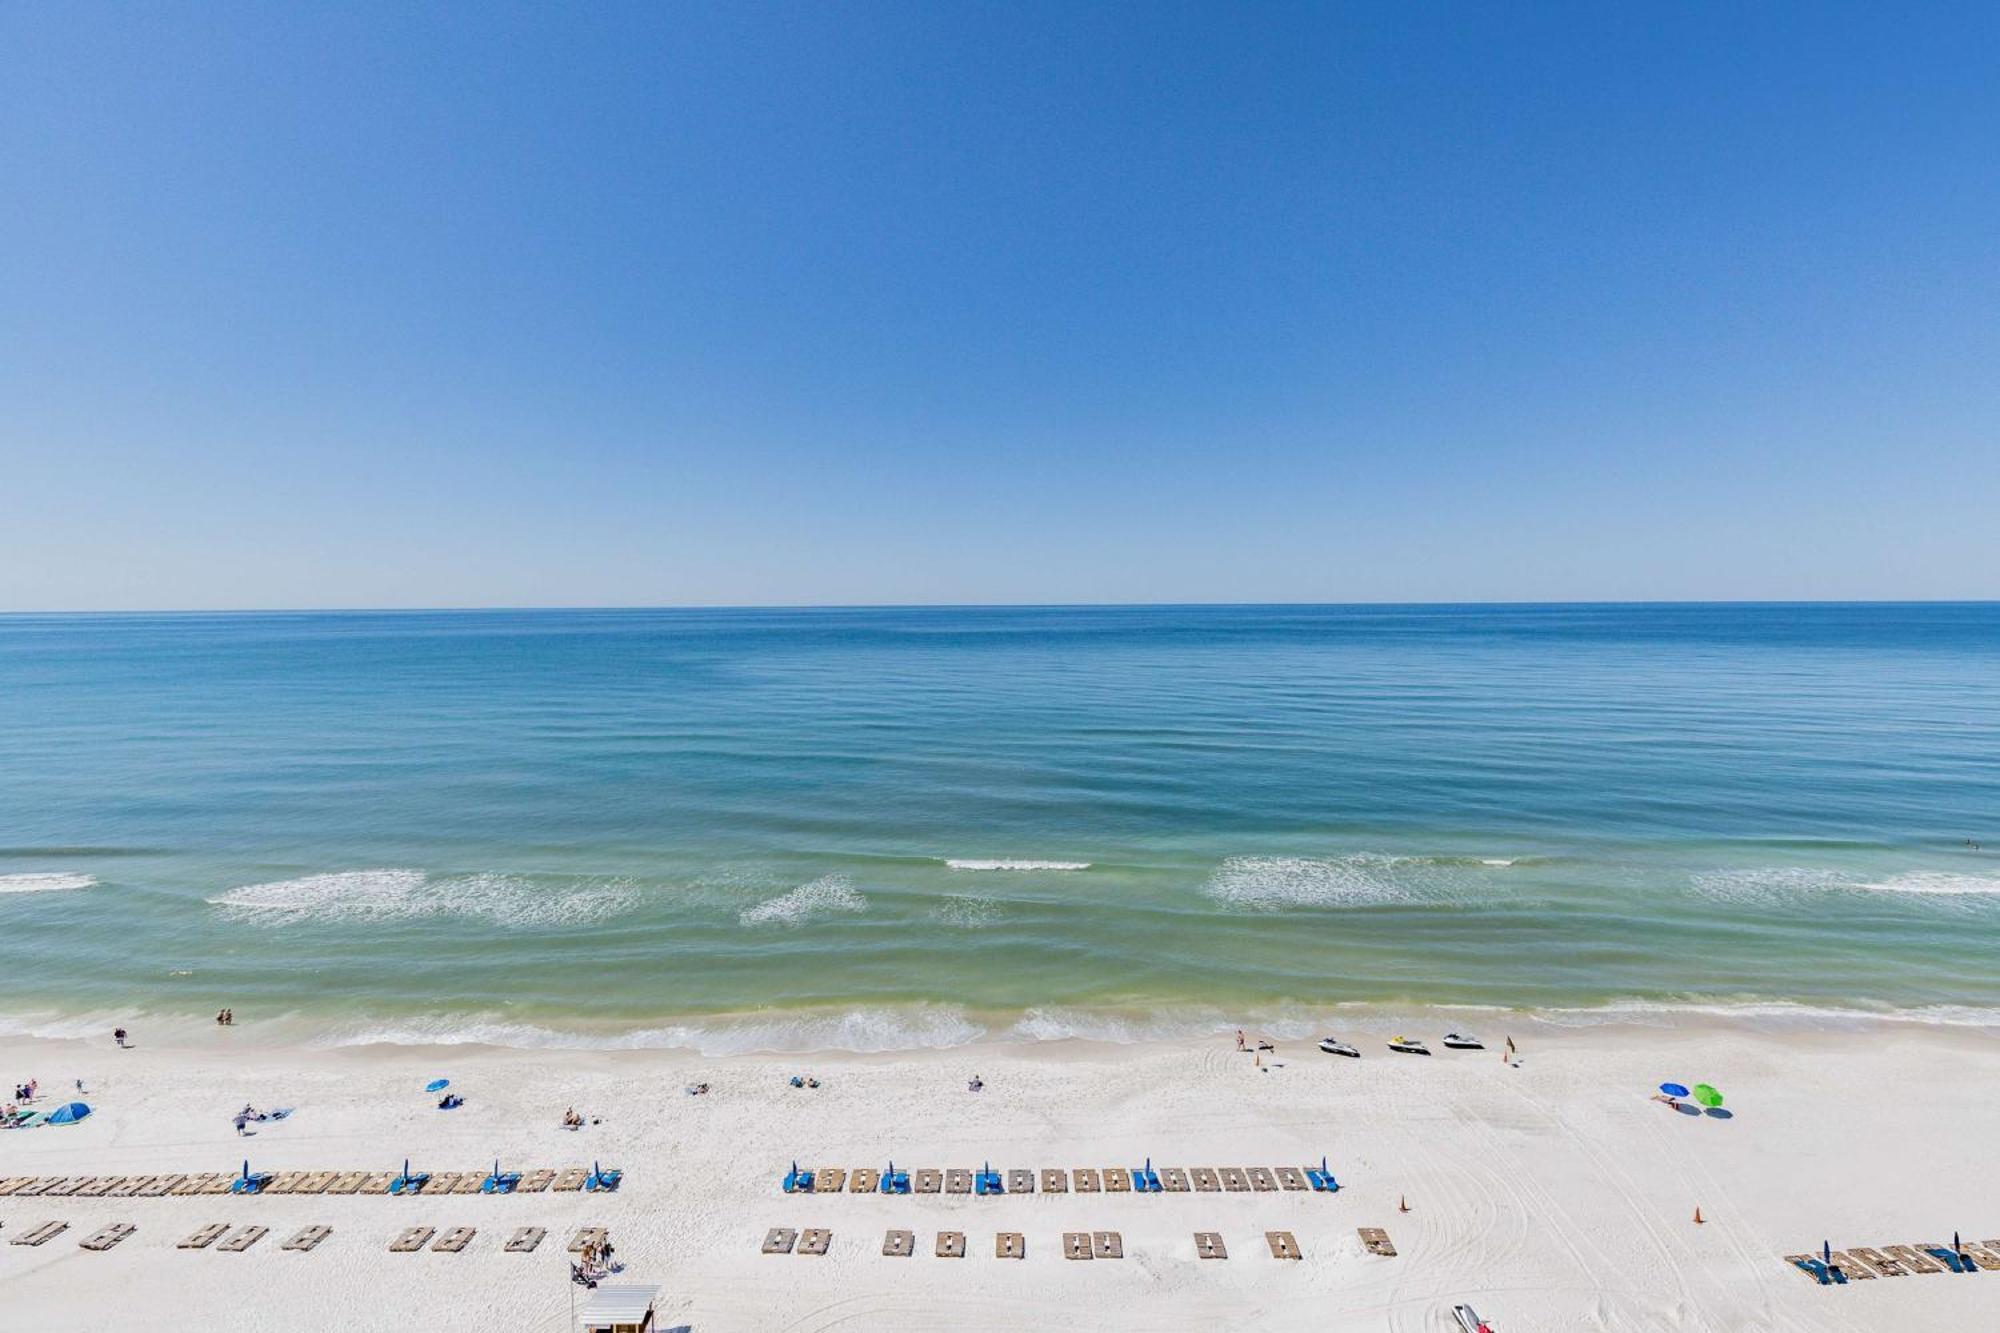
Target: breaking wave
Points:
(402, 895)
(821, 897)
(1772, 884)
(50, 881)
(1017, 865)
(1363, 879)
(870, 1030)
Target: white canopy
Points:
(617, 1305)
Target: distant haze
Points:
(387, 305)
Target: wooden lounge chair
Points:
(1261, 1179)
(927, 1180)
(864, 1180)
(1086, 1179)
(1377, 1241)
(40, 1234)
(95, 1187)
(411, 1239)
(307, 1238)
(570, 1181)
(468, 1183)
(1208, 1244)
(1284, 1245)
(454, 1240)
(1878, 1261)
(1173, 1180)
(951, 1245)
(587, 1236)
(899, 1244)
(444, 1182)
(814, 1240)
(1117, 1180)
(534, 1182)
(1054, 1180)
(315, 1183)
(1076, 1245)
(1108, 1244)
(1010, 1245)
(65, 1187)
(1802, 1264)
(159, 1185)
(285, 1182)
(1291, 1178)
(1205, 1180)
(244, 1238)
(1234, 1180)
(524, 1240)
(780, 1240)
(1913, 1259)
(1854, 1268)
(1020, 1181)
(1982, 1257)
(957, 1180)
(9, 1184)
(829, 1180)
(218, 1183)
(378, 1183)
(202, 1237)
(106, 1237)
(191, 1184)
(347, 1182)
(33, 1186)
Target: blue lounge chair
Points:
(1145, 1180)
(500, 1182)
(410, 1182)
(1321, 1178)
(894, 1181)
(797, 1181)
(250, 1182)
(1951, 1259)
(1820, 1272)
(600, 1180)
(987, 1181)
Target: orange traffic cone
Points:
(1402, 1203)
(1697, 1215)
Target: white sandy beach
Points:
(1551, 1196)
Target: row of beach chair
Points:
(902, 1244)
(1053, 1180)
(1858, 1263)
(594, 1179)
(228, 1238)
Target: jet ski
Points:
(1334, 1046)
(1409, 1046)
(1469, 1321)
(1458, 1041)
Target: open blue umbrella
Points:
(1673, 1090)
(437, 1085)
(68, 1115)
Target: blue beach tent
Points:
(68, 1114)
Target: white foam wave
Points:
(1773, 884)
(821, 897)
(968, 913)
(397, 895)
(1937, 882)
(49, 881)
(870, 1030)
(1017, 865)
(1363, 879)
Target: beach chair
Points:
(1953, 1261)
(307, 1238)
(285, 1182)
(1108, 1244)
(524, 1240)
(10, 1184)
(899, 1244)
(1879, 1261)
(1076, 1245)
(454, 1240)
(1145, 1179)
(1010, 1245)
(535, 1182)
(95, 1187)
(864, 1180)
(1208, 1245)
(1982, 1254)
(409, 1182)
(1291, 1178)
(1085, 1179)
(1376, 1241)
(1321, 1178)
(894, 1181)
(951, 1245)
(957, 1180)
(987, 1181)
(159, 1185)
(1205, 1180)
(1853, 1267)
(218, 1183)
(797, 1181)
(570, 1181)
(1990, 1246)
(1810, 1265)
(202, 1237)
(1913, 1260)
(251, 1182)
(1284, 1245)
(1173, 1180)
(315, 1183)
(471, 1182)
(814, 1240)
(40, 1234)
(106, 1237)
(930, 1180)
(347, 1182)
(829, 1180)
(243, 1239)
(411, 1239)
(1234, 1180)
(1020, 1181)
(1054, 1181)
(443, 1182)
(587, 1236)
(64, 1187)
(601, 1181)
(1115, 1179)
(189, 1185)
(379, 1182)
(1261, 1179)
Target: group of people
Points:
(804, 1081)
(594, 1263)
(225, 1018)
(246, 1115)
(573, 1119)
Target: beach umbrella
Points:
(437, 1085)
(1707, 1095)
(1673, 1090)
(1826, 1251)
(68, 1115)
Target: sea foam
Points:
(1361, 879)
(402, 895)
(1017, 865)
(824, 896)
(44, 882)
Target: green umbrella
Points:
(1707, 1095)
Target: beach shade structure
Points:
(67, 1114)
(437, 1085)
(1707, 1095)
(1674, 1089)
(500, 1182)
(600, 1179)
(797, 1181)
(250, 1182)
(987, 1181)
(410, 1181)
(1321, 1178)
(894, 1181)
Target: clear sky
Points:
(380, 305)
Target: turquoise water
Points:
(705, 827)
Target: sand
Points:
(1552, 1196)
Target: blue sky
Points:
(391, 305)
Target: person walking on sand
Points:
(118, 1035)
(1239, 1040)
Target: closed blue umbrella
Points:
(68, 1115)
(1673, 1090)
(437, 1085)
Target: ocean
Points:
(884, 828)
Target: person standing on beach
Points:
(118, 1035)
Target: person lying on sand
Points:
(976, 1084)
(697, 1089)
(571, 1120)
